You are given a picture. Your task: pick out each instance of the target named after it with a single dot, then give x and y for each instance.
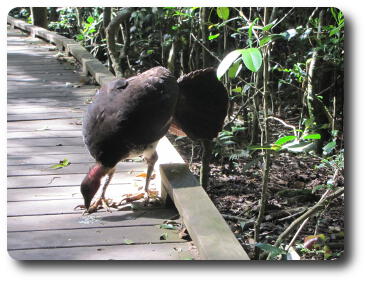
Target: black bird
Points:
(127, 119)
(200, 112)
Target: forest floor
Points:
(235, 189)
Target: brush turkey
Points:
(126, 119)
(200, 112)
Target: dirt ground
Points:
(235, 189)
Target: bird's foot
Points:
(151, 198)
(99, 203)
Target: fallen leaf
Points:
(164, 236)
(168, 226)
(313, 241)
(143, 175)
(128, 242)
(187, 258)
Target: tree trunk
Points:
(39, 16)
(111, 31)
(315, 107)
(204, 36)
(264, 141)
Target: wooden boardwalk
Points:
(45, 106)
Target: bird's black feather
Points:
(129, 114)
(202, 104)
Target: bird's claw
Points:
(98, 203)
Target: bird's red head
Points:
(91, 183)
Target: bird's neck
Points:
(97, 172)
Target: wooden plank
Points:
(15, 79)
(161, 251)
(115, 191)
(29, 135)
(205, 224)
(41, 141)
(56, 180)
(43, 125)
(52, 70)
(39, 109)
(43, 116)
(52, 204)
(91, 237)
(99, 219)
(34, 169)
(47, 150)
(47, 95)
(44, 207)
(49, 160)
(61, 100)
(36, 68)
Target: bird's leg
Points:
(102, 200)
(151, 160)
(207, 146)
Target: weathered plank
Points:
(68, 192)
(37, 142)
(99, 219)
(42, 125)
(206, 226)
(90, 237)
(62, 100)
(43, 116)
(39, 109)
(56, 180)
(161, 251)
(49, 159)
(47, 150)
(34, 169)
(46, 210)
(29, 135)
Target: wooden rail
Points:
(208, 229)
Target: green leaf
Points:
(274, 251)
(90, 19)
(164, 236)
(265, 40)
(252, 58)
(329, 147)
(237, 89)
(128, 242)
(62, 163)
(269, 38)
(214, 36)
(284, 140)
(267, 27)
(235, 69)
(79, 37)
(223, 13)
(249, 32)
(312, 137)
(168, 227)
(227, 62)
(187, 258)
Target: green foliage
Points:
(66, 22)
(61, 164)
(251, 58)
(223, 13)
(272, 250)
